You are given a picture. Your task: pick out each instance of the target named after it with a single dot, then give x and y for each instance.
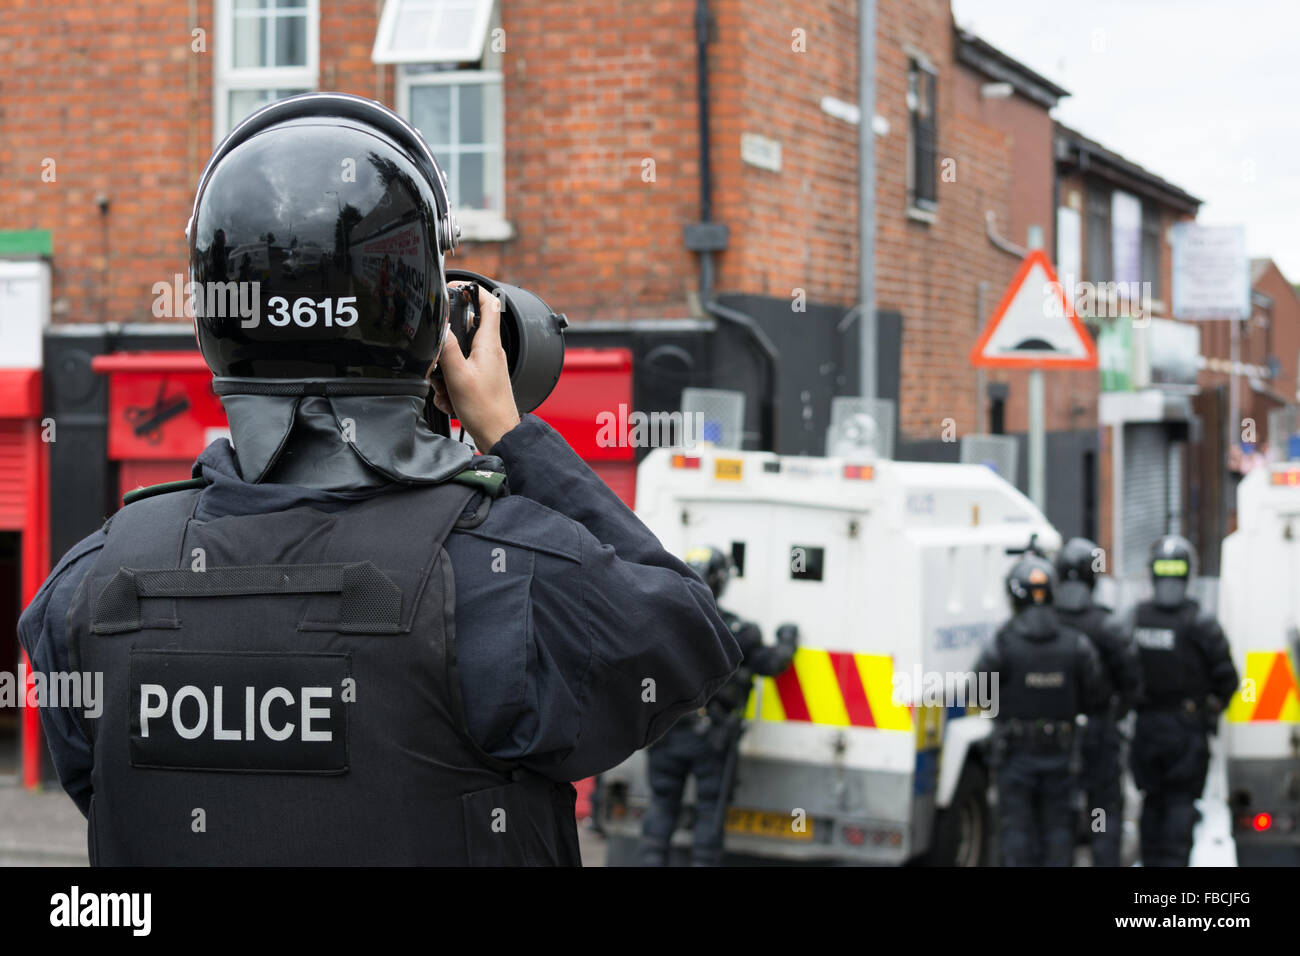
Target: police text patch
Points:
(1154, 638)
(239, 712)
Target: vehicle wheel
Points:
(963, 834)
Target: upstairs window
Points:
(1099, 264)
(266, 50)
(449, 86)
(923, 156)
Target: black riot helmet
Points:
(713, 565)
(1031, 581)
(336, 208)
(1173, 565)
(1076, 574)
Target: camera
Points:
(531, 334)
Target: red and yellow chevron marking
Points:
(1270, 684)
(835, 688)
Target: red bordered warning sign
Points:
(1034, 326)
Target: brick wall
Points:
(1286, 327)
(931, 272)
(116, 97)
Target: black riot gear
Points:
(335, 207)
(1076, 574)
(1188, 677)
(1186, 662)
(1047, 670)
(337, 737)
(1101, 744)
(1047, 674)
(1031, 581)
(713, 565)
(704, 746)
(1173, 565)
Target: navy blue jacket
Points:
(553, 663)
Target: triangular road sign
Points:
(1034, 326)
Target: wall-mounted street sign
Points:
(1034, 326)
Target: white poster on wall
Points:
(1126, 237)
(24, 311)
(1211, 272)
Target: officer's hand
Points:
(476, 390)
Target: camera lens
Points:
(532, 336)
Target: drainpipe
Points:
(706, 169)
(706, 237)
(867, 198)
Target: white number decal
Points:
(281, 309)
(347, 305)
(304, 312)
(341, 312)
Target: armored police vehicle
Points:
(869, 747)
(1259, 608)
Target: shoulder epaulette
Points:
(166, 488)
(492, 483)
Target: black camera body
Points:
(531, 334)
(464, 315)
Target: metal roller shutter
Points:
(1146, 500)
(14, 476)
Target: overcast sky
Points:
(1204, 93)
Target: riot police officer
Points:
(1187, 677)
(704, 745)
(1047, 674)
(1076, 573)
(350, 640)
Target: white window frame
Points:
(227, 78)
(476, 225)
(466, 52)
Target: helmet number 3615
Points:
(307, 312)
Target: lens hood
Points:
(532, 336)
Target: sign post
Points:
(1034, 327)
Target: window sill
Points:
(480, 227)
(927, 216)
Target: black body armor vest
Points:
(281, 689)
(1173, 667)
(1040, 678)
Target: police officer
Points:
(1188, 677)
(704, 745)
(1047, 674)
(350, 640)
(1075, 568)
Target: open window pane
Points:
(432, 31)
